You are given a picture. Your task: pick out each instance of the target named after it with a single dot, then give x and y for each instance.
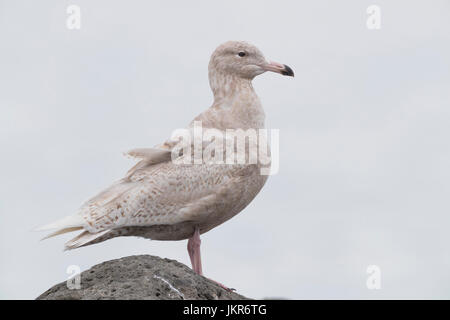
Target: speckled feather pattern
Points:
(161, 200)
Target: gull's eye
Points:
(241, 54)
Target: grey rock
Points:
(140, 277)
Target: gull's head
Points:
(243, 60)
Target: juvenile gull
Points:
(161, 199)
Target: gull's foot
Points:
(222, 286)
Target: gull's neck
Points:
(225, 86)
(236, 97)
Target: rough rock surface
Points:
(140, 277)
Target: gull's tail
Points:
(70, 224)
(64, 225)
(83, 239)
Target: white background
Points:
(364, 129)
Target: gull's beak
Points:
(279, 68)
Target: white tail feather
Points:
(64, 223)
(61, 231)
(83, 238)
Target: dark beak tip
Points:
(287, 71)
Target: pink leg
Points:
(193, 247)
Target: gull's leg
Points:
(193, 247)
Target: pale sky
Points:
(364, 126)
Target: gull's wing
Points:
(148, 157)
(165, 193)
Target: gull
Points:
(162, 199)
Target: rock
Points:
(141, 277)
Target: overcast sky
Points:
(364, 138)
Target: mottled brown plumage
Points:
(162, 200)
